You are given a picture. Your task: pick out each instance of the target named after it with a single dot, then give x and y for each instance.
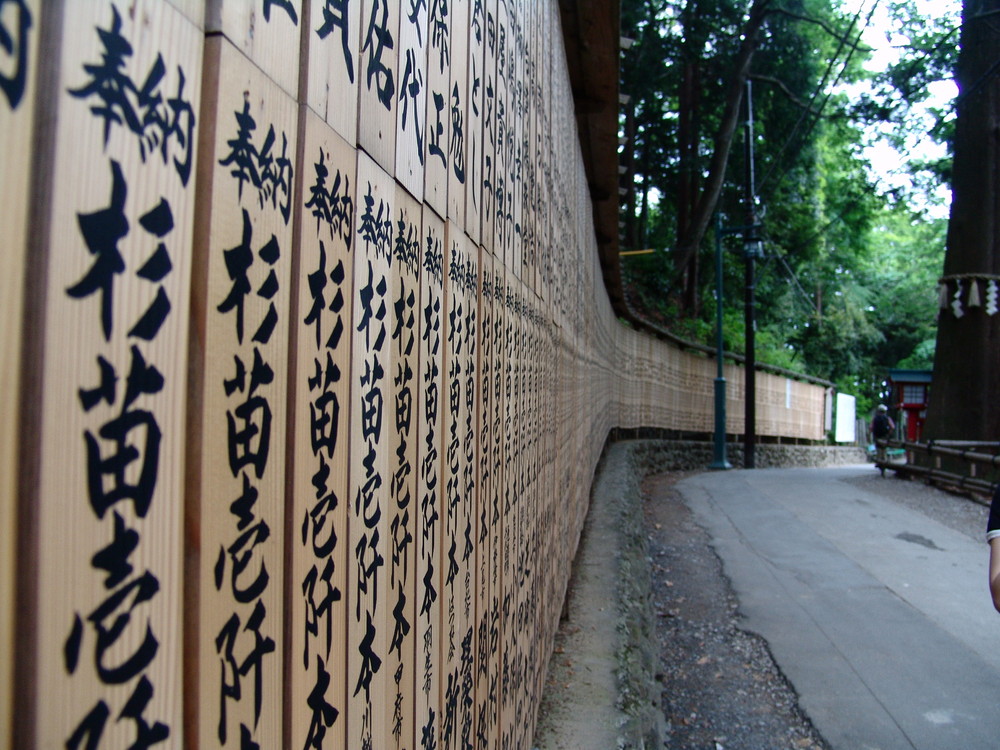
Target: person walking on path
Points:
(882, 427)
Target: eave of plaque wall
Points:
(591, 35)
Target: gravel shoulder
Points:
(720, 686)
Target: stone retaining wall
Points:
(688, 455)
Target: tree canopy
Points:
(847, 288)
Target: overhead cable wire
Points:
(819, 89)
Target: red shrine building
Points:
(908, 393)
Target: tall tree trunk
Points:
(689, 136)
(965, 398)
(689, 242)
(688, 142)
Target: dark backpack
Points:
(880, 427)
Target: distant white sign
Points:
(845, 431)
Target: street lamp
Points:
(719, 457)
(753, 249)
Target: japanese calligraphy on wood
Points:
(111, 467)
(504, 127)
(332, 45)
(268, 32)
(320, 464)
(411, 133)
(236, 487)
(461, 489)
(18, 61)
(439, 70)
(487, 515)
(475, 89)
(458, 114)
(487, 186)
(370, 618)
(378, 82)
(430, 429)
(403, 526)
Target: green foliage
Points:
(848, 287)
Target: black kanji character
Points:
(110, 619)
(241, 554)
(275, 173)
(378, 39)
(319, 606)
(115, 465)
(14, 43)
(376, 226)
(285, 5)
(413, 16)
(323, 714)
(409, 91)
(437, 130)
(102, 230)
(109, 82)
(370, 661)
(238, 261)
(249, 435)
(317, 524)
(242, 153)
(457, 148)
(335, 13)
(440, 33)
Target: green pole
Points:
(719, 460)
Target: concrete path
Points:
(878, 615)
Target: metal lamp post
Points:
(753, 248)
(719, 459)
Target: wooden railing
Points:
(980, 458)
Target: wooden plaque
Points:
(109, 507)
(378, 82)
(411, 129)
(475, 98)
(529, 185)
(487, 189)
(319, 535)
(439, 68)
(461, 491)
(431, 403)
(498, 502)
(19, 63)
(512, 505)
(268, 32)
(403, 524)
(518, 115)
(505, 118)
(487, 512)
(369, 617)
(458, 114)
(237, 461)
(333, 65)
